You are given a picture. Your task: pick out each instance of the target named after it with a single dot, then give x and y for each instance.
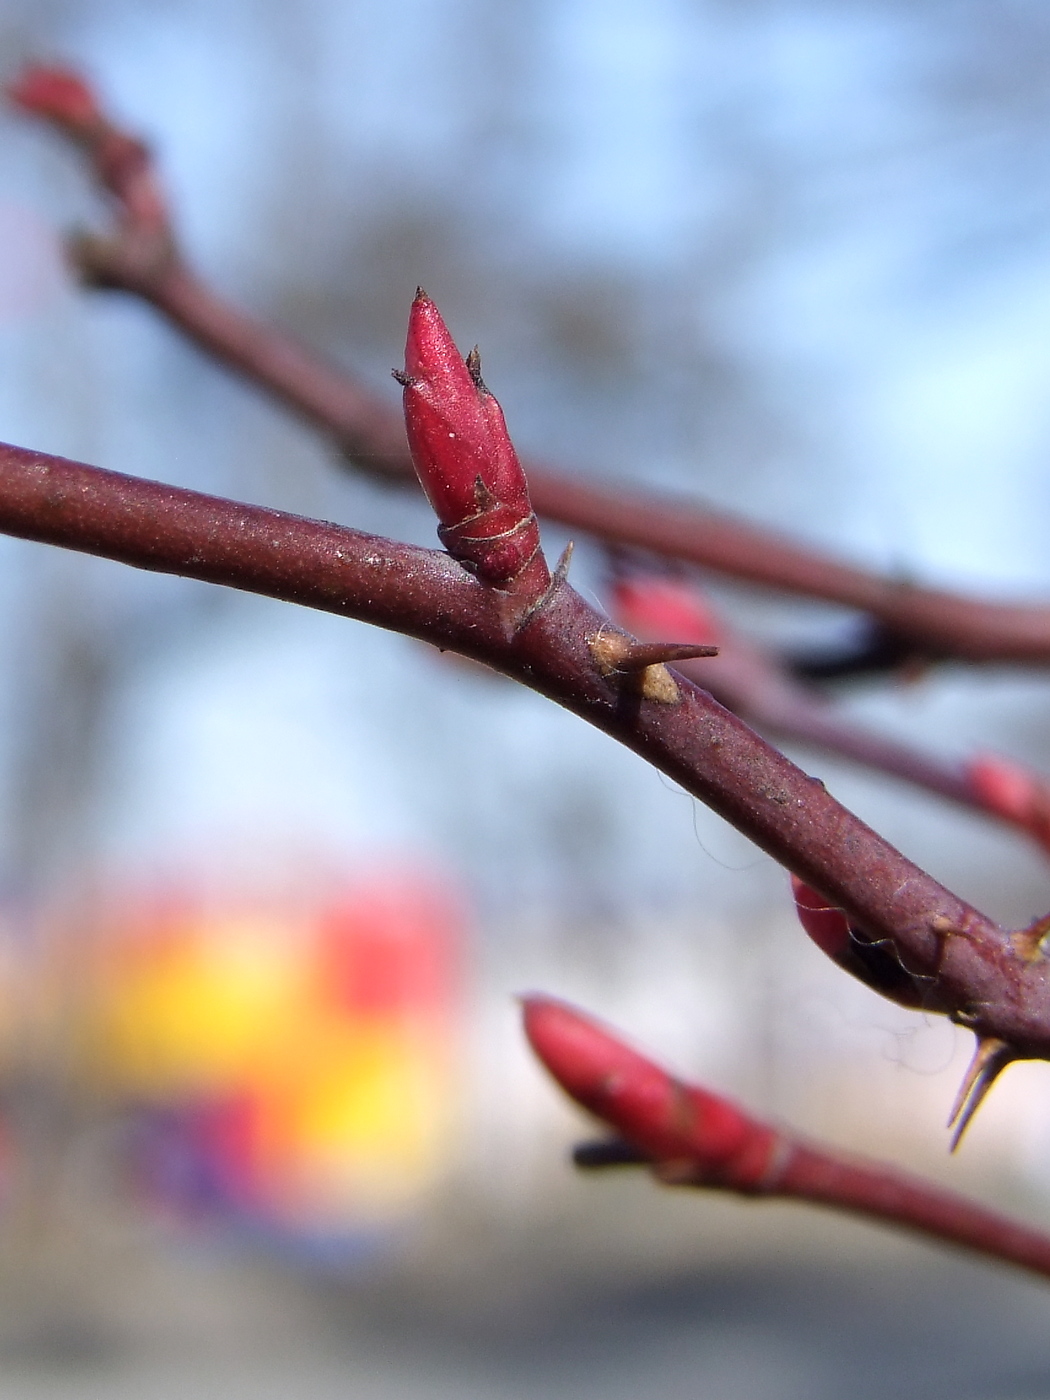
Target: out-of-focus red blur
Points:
(286, 1066)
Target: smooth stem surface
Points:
(873, 1189)
(691, 1136)
(943, 623)
(141, 257)
(977, 972)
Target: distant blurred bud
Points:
(122, 164)
(673, 1124)
(651, 606)
(875, 964)
(1011, 792)
(463, 454)
(1004, 787)
(58, 94)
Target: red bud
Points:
(874, 964)
(463, 454)
(658, 607)
(826, 925)
(1013, 793)
(665, 1119)
(1004, 787)
(58, 94)
(122, 163)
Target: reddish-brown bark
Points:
(754, 684)
(508, 612)
(985, 977)
(692, 1137)
(142, 258)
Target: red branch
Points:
(692, 1137)
(497, 603)
(984, 977)
(142, 258)
(754, 684)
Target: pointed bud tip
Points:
(430, 351)
(473, 363)
(537, 1006)
(576, 1049)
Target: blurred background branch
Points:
(787, 263)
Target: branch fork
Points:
(925, 622)
(471, 475)
(495, 601)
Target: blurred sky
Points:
(790, 258)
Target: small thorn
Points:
(561, 570)
(421, 295)
(609, 1152)
(643, 654)
(402, 378)
(990, 1058)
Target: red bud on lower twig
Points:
(691, 1137)
(463, 454)
(670, 1122)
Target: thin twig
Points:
(986, 978)
(142, 257)
(756, 685)
(689, 1136)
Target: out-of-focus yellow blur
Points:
(291, 1065)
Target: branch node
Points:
(133, 259)
(557, 578)
(619, 656)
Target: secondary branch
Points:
(141, 257)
